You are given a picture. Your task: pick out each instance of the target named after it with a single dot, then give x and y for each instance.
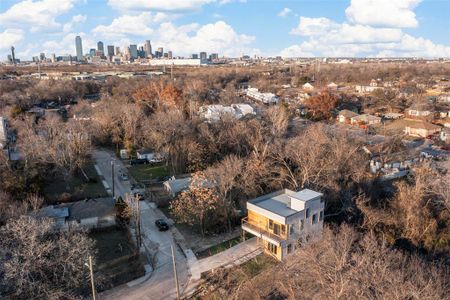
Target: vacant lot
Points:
(76, 188)
(148, 172)
(117, 260)
(208, 245)
(222, 282)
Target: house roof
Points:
(178, 185)
(79, 210)
(347, 113)
(100, 207)
(423, 125)
(366, 117)
(279, 202)
(421, 106)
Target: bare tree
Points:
(39, 263)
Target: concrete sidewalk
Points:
(233, 256)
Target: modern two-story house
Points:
(284, 219)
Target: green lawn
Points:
(76, 188)
(148, 172)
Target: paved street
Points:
(161, 284)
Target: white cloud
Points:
(137, 25)
(284, 12)
(38, 15)
(313, 26)
(66, 45)
(77, 19)
(215, 37)
(330, 32)
(10, 37)
(159, 5)
(384, 13)
(366, 33)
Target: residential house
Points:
(421, 129)
(365, 119)
(284, 219)
(420, 110)
(174, 186)
(213, 113)
(266, 98)
(445, 134)
(242, 110)
(3, 132)
(332, 86)
(149, 155)
(308, 87)
(85, 214)
(345, 116)
(392, 116)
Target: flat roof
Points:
(307, 194)
(279, 202)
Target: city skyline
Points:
(356, 28)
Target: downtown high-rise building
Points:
(100, 47)
(110, 50)
(133, 51)
(203, 56)
(148, 48)
(79, 48)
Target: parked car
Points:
(162, 225)
(139, 196)
(138, 161)
(123, 176)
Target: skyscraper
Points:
(148, 48)
(110, 50)
(13, 56)
(79, 48)
(100, 47)
(133, 51)
(203, 56)
(92, 52)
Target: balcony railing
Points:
(262, 230)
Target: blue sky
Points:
(301, 28)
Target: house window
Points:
(272, 248)
(276, 229)
(314, 219)
(321, 215)
(302, 224)
(270, 224)
(291, 229)
(289, 248)
(307, 213)
(283, 229)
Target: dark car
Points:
(138, 162)
(162, 225)
(139, 196)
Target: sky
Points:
(300, 28)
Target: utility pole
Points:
(175, 272)
(92, 278)
(112, 174)
(138, 222)
(171, 72)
